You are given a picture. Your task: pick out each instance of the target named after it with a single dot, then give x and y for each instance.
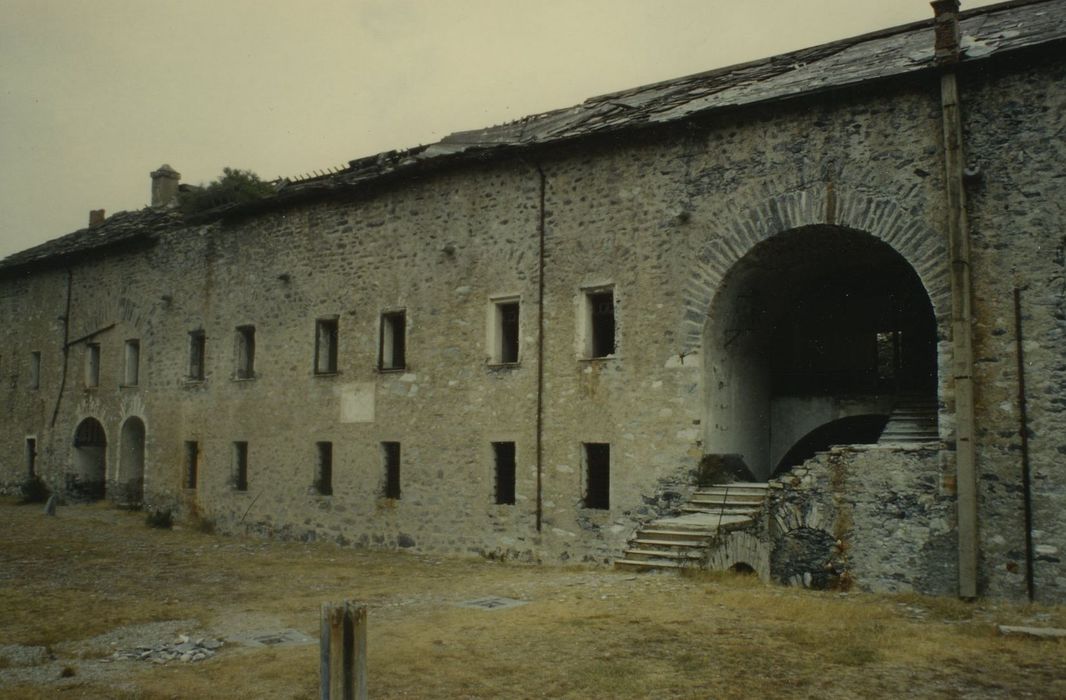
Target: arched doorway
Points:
(810, 326)
(90, 461)
(130, 481)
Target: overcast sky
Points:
(97, 93)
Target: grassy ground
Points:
(83, 582)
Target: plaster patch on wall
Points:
(357, 402)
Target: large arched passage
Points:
(810, 326)
(90, 461)
(130, 486)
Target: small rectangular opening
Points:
(192, 463)
(92, 365)
(601, 326)
(245, 352)
(597, 475)
(326, 346)
(132, 372)
(240, 466)
(31, 457)
(35, 369)
(324, 468)
(504, 452)
(390, 452)
(197, 354)
(393, 350)
(507, 332)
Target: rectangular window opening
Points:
(507, 332)
(35, 369)
(92, 365)
(326, 346)
(31, 457)
(597, 475)
(324, 468)
(240, 466)
(245, 352)
(393, 351)
(192, 463)
(504, 453)
(197, 354)
(601, 328)
(132, 374)
(391, 454)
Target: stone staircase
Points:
(913, 420)
(683, 540)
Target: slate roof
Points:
(986, 32)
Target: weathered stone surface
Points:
(663, 217)
(1034, 632)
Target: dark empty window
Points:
(324, 468)
(326, 346)
(35, 369)
(601, 324)
(92, 365)
(507, 332)
(31, 457)
(390, 452)
(245, 352)
(132, 373)
(504, 453)
(393, 350)
(597, 475)
(192, 463)
(197, 353)
(240, 466)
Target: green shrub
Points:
(160, 518)
(233, 187)
(34, 490)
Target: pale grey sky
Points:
(96, 94)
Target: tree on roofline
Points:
(234, 186)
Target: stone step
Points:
(646, 564)
(700, 536)
(643, 554)
(730, 500)
(709, 509)
(651, 542)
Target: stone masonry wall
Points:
(657, 217)
(879, 518)
(1015, 118)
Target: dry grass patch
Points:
(584, 633)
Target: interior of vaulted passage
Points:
(90, 467)
(130, 482)
(812, 326)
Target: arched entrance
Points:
(90, 461)
(812, 325)
(130, 481)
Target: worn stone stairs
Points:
(683, 540)
(913, 420)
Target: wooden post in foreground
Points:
(342, 651)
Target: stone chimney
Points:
(96, 217)
(164, 186)
(946, 23)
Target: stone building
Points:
(835, 275)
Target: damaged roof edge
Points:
(902, 51)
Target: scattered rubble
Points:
(182, 649)
(1033, 632)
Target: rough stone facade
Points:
(676, 222)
